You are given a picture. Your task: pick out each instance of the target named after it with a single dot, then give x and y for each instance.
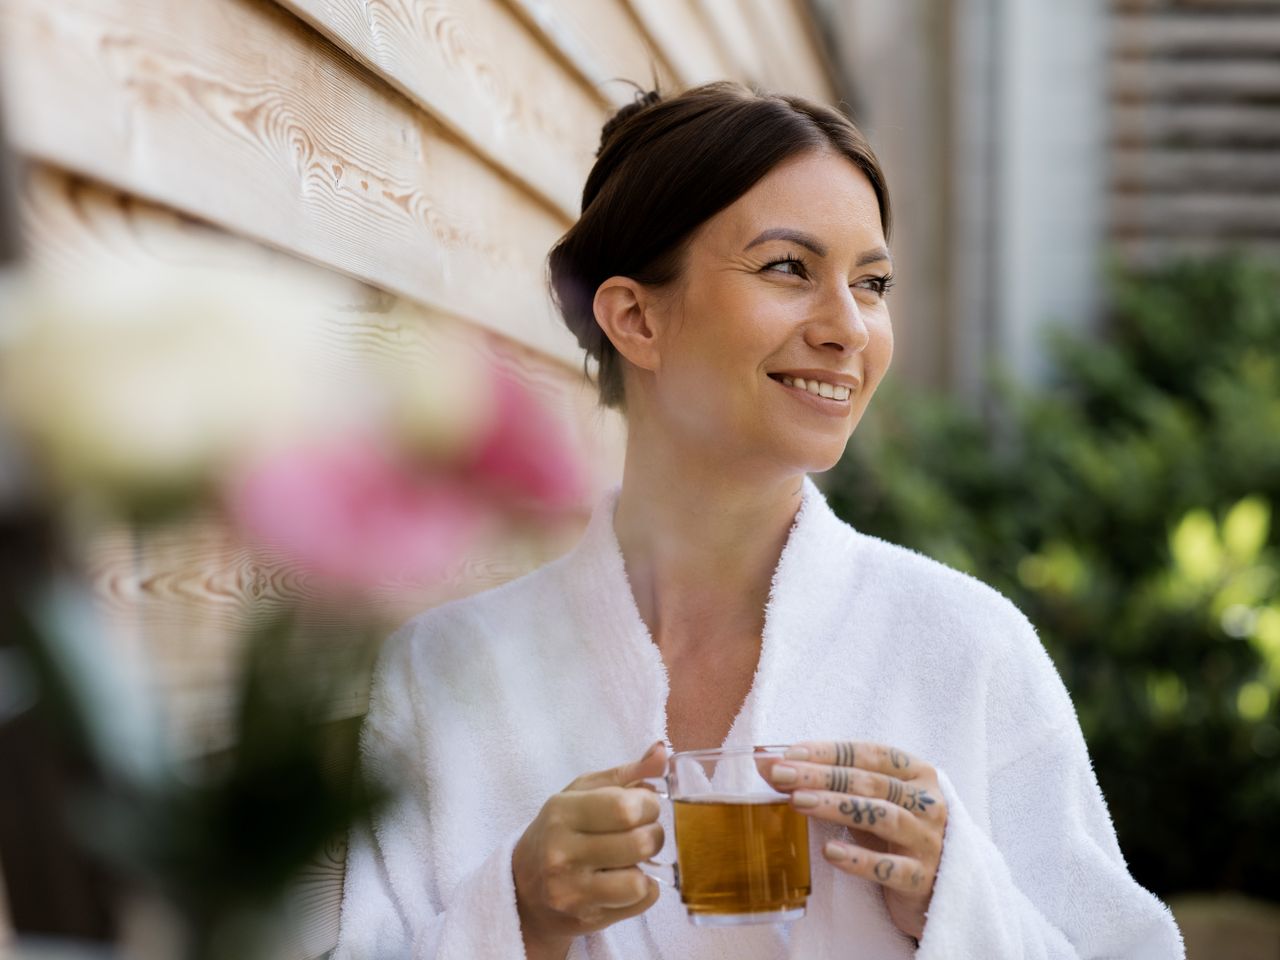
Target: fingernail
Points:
(804, 799)
(836, 851)
(650, 752)
(783, 774)
(797, 753)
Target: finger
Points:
(652, 764)
(921, 800)
(795, 775)
(608, 809)
(875, 757)
(624, 849)
(884, 819)
(886, 869)
(622, 889)
(918, 799)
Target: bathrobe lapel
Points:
(802, 614)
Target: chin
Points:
(818, 461)
(806, 452)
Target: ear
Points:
(626, 311)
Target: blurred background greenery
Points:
(1126, 506)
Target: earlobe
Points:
(624, 309)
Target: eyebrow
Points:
(810, 242)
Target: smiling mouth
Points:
(834, 393)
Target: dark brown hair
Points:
(665, 166)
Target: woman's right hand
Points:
(575, 866)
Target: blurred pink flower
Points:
(359, 511)
(356, 516)
(525, 455)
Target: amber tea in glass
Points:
(742, 851)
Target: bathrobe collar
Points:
(811, 569)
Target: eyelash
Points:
(881, 285)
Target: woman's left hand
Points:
(891, 803)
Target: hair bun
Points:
(643, 100)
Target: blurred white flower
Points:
(440, 408)
(153, 391)
(144, 383)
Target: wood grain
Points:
(1203, 7)
(184, 594)
(614, 37)
(314, 904)
(422, 155)
(1235, 215)
(237, 113)
(793, 63)
(1196, 170)
(600, 41)
(1219, 80)
(1153, 251)
(735, 37)
(1168, 32)
(479, 70)
(1250, 127)
(675, 27)
(1195, 128)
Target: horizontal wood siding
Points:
(1195, 127)
(189, 590)
(250, 120)
(419, 156)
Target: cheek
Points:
(879, 352)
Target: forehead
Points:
(822, 192)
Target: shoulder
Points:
(963, 628)
(488, 613)
(972, 640)
(477, 639)
(921, 588)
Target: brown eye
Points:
(877, 285)
(800, 270)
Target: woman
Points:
(729, 274)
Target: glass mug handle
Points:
(664, 871)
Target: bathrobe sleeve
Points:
(391, 909)
(1046, 878)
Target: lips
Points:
(835, 378)
(823, 405)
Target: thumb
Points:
(652, 764)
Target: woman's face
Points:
(789, 280)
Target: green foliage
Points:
(218, 838)
(1129, 509)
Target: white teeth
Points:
(818, 388)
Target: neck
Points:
(701, 546)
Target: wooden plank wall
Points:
(1195, 118)
(420, 156)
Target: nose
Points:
(841, 326)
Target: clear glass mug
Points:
(742, 851)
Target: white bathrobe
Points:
(486, 706)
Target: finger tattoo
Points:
(844, 754)
(859, 811)
(918, 800)
(838, 779)
(895, 791)
(916, 878)
(899, 759)
(884, 870)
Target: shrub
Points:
(1126, 508)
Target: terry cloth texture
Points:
(486, 706)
